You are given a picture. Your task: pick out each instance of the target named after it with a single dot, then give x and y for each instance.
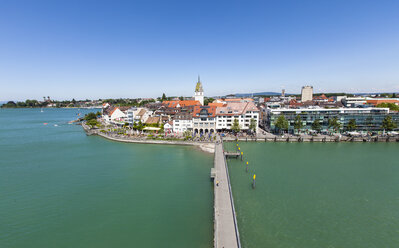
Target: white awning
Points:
(151, 129)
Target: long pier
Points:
(226, 228)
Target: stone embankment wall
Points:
(319, 139)
(204, 146)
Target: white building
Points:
(354, 101)
(137, 114)
(204, 119)
(307, 93)
(115, 115)
(199, 92)
(242, 111)
(168, 128)
(182, 125)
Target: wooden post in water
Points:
(253, 182)
(242, 155)
(246, 169)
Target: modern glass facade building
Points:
(367, 119)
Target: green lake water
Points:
(317, 194)
(61, 188)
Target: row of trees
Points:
(391, 106)
(36, 104)
(26, 104)
(235, 127)
(282, 124)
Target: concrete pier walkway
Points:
(226, 229)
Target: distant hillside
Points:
(2, 102)
(259, 94)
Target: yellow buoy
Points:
(241, 153)
(239, 148)
(247, 162)
(254, 176)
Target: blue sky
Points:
(100, 49)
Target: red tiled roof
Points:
(378, 101)
(236, 108)
(322, 97)
(185, 103)
(216, 104)
(211, 110)
(152, 120)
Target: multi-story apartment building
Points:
(367, 119)
(137, 114)
(307, 93)
(242, 111)
(182, 122)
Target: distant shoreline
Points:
(49, 107)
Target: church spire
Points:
(198, 87)
(199, 91)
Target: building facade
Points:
(204, 119)
(366, 119)
(182, 121)
(242, 111)
(307, 93)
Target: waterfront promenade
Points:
(226, 230)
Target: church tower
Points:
(199, 92)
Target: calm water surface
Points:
(317, 195)
(61, 188)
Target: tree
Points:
(352, 125)
(90, 116)
(9, 104)
(187, 134)
(181, 98)
(316, 125)
(208, 100)
(140, 126)
(389, 105)
(298, 123)
(281, 123)
(252, 125)
(394, 95)
(162, 130)
(163, 97)
(334, 123)
(92, 123)
(236, 126)
(388, 124)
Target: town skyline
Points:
(188, 95)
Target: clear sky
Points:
(99, 49)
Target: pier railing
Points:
(231, 199)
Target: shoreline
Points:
(317, 139)
(208, 147)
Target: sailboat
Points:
(41, 110)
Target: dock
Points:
(232, 154)
(226, 228)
